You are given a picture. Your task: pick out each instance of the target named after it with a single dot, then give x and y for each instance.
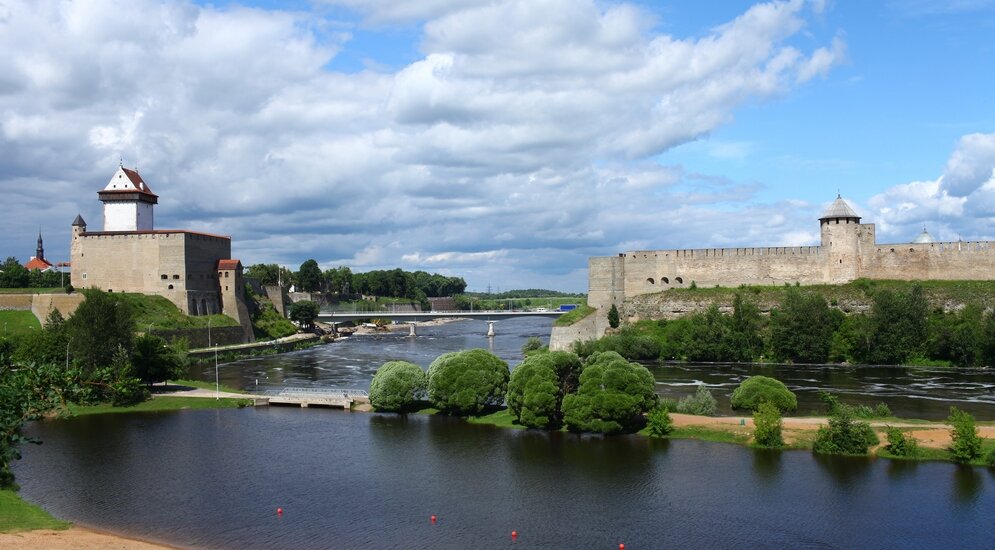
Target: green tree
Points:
(966, 443)
(26, 393)
(700, 404)
(153, 360)
(532, 345)
(397, 386)
(767, 423)
(844, 435)
(759, 389)
(100, 325)
(537, 387)
(266, 274)
(901, 444)
(900, 322)
(46, 346)
(746, 327)
(613, 320)
(14, 274)
(612, 396)
(304, 312)
(802, 327)
(659, 423)
(338, 280)
(464, 383)
(309, 277)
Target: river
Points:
(214, 479)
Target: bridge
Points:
(491, 316)
(317, 397)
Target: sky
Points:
(504, 141)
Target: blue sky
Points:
(502, 140)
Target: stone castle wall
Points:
(41, 304)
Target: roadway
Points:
(411, 316)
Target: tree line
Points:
(15, 275)
(899, 328)
(391, 283)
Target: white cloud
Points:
(971, 164)
(519, 144)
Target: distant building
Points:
(38, 261)
(193, 270)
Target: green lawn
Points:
(18, 322)
(160, 313)
(573, 316)
(503, 419)
(165, 403)
(55, 290)
(17, 515)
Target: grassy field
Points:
(572, 317)
(503, 419)
(54, 290)
(18, 515)
(164, 403)
(18, 322)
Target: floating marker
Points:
(514, 534)
(433, 518)
(621, 546)
(279, 511)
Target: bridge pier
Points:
(490, 329)
(411, 330)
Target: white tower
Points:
(128, 202)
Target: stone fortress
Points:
(848, 251)
(193, 270)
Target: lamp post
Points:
(217, 383)
(67, 351)
(209, 331)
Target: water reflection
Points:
(967, 485)
(844, 470)
(767, 464)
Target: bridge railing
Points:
(317, 392)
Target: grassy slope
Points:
(163, 314)
(165, 403)
(53, 290)
(573, 316)
(18, 515)
(18, 322)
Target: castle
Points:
(848, 251)
(193, 270)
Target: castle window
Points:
(226, 274)
(175, 276)
(665, 280)
(84, 275)
(226, 287)
(170, 287)
(679, 280)
(648, 280)
(163, 276)
(841, 261)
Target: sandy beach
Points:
(74, 538)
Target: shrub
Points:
(966, 446)
(533, 393)
(659, 422)
(767, 422)
(397, 386)
(612, 396)
(613, 320)
(465, 382)
(901, 444)
(882, 410)
(532, 345)
(844, 435)
(757, 389)
(701, 403)
(990, 459)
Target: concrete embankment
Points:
(280, 344)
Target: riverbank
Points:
(74, 538)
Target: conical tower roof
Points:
(78, 222)
(839, 209)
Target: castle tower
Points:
(127, 202)
(841, 231)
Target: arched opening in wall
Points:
(650, 280)
(170, 287)
(679, 280)
(665, 280)
(175, 276)
(164, 276)
(912, 250)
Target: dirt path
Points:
(74, 538)
(935, 436)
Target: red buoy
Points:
(279, 511)
(433, 518)
(621, 546)
(514, 534)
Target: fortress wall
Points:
(128, 260)
(43, 304)
(974, 260)
(658, 270)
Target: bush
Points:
(757, 389)
(537, 387)
(659, 423)
(629, 343)
(966, 446)
(612, 396)
(532, 345)
(882, 410)
(397, 386)
(844, 435)
(465, 382)
(901, 444)
(701, 403)
(767, 422)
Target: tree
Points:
(802, 328)
(26, 393)
(700, 404)
(397, 386)
(153, 360)
(613, 320)
(659, 423)
(759, 389)
(304, 312)
(100, 325)
(746, 324)
(900, 323)
(266, 274)
(532, 345)
(767, 423)
(338, 280)
(844, 435)
(45, 346)
(14, 274)
(464, 383)
(966, 443)
(537, 386)
(612, 396)
(309, 278)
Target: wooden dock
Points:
(343, 398)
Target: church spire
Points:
(40, 252)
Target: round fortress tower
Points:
(840, 229)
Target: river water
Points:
(214, 479)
